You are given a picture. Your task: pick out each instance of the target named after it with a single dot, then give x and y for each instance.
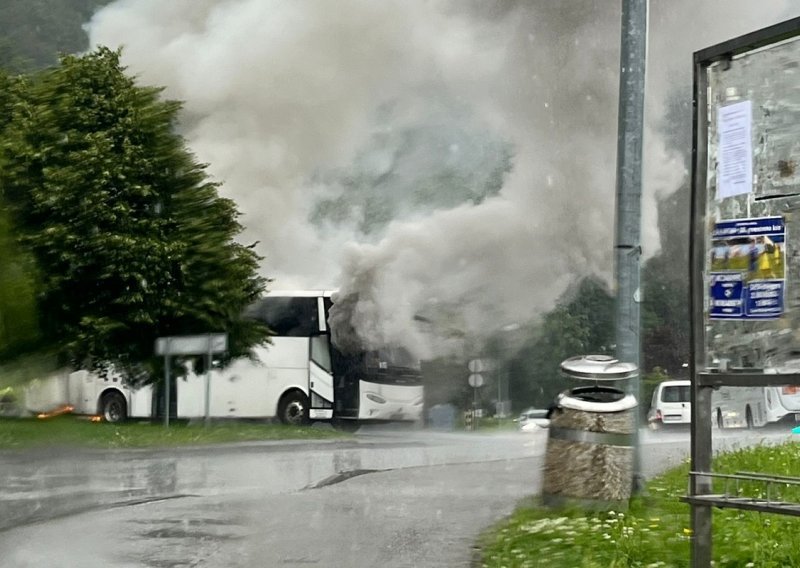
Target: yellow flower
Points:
(687, 532)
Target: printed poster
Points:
(748, 273)
(735, 155)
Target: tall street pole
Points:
(627, 246)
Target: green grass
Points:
(655, 531)
(70, 431)
(493, 423)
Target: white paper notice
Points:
(735, 175)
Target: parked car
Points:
(671, 404)
(533, 419)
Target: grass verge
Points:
(655, 531)
(70, 431)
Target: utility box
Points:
(591, 446)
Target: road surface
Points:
(427, 515)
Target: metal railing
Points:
(765, 502)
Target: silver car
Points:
(533, 419)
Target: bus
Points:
(756, 406)
(732, 407)
(739, 407)
(300, 377)
(783, 403)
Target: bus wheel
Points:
(293, 409)
(720, 422)
(113, 407)
(749, 418)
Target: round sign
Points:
(476, 366)
(476, 380)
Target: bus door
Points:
(320, 374)
(345, 376)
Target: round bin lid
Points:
(566, 400)
(598, 368)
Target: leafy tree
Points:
(581, 323)
(18, 325)
(34, 32)
(665, 279)
(130, 236)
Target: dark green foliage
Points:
(582, 323)
(665, 280)
(130, 236)
(18, 324)
(34, 32)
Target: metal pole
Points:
(701, 448)
(627, 249)
(166, 387)
(701, 438)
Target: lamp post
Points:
(627, 247)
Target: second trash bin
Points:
(590, 450)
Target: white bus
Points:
(755, 406)
(300, 377)
(740, 407)
(783, 403)
(732, 407)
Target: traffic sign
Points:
(476, 366)
(476, 380)
(192, 344)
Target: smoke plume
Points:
(448, 158)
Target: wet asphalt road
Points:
(418, 516)
(414, 517)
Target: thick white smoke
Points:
(295, 103)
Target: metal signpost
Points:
(744, 239)
(208, 345)
(476, 381)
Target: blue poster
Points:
(748, 274)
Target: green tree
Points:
(582, 323)
(665, 280)
(18, 324)
(131, 238)
(34, 32)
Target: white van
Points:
(671, 404)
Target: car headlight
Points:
(376, 398)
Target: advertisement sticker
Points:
(748, 274)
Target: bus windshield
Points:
(385, 365)
(392, 358)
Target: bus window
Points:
(320, 353)
(289, 316)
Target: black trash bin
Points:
(590, 450)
